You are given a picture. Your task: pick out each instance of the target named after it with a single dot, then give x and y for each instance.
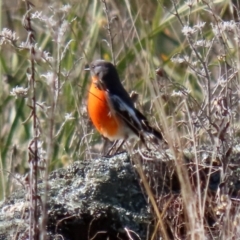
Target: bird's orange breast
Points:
(100, 113)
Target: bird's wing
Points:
(134, 119)
(125, 112)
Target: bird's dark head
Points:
(103, 70)
(105, 77)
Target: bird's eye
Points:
(87, 67)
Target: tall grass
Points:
(193, 97)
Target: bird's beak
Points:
(87, 68)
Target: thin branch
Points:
(33, 160)
(111, 37)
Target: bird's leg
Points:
(111, 148)
(105, 146)
(114, 145)
(121, 144)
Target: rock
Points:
(96, 199)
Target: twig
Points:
(111, 37)
(204, 64)
(33, 158)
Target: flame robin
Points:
(110, 107)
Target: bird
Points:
(111, 108)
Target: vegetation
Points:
(181, 57)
